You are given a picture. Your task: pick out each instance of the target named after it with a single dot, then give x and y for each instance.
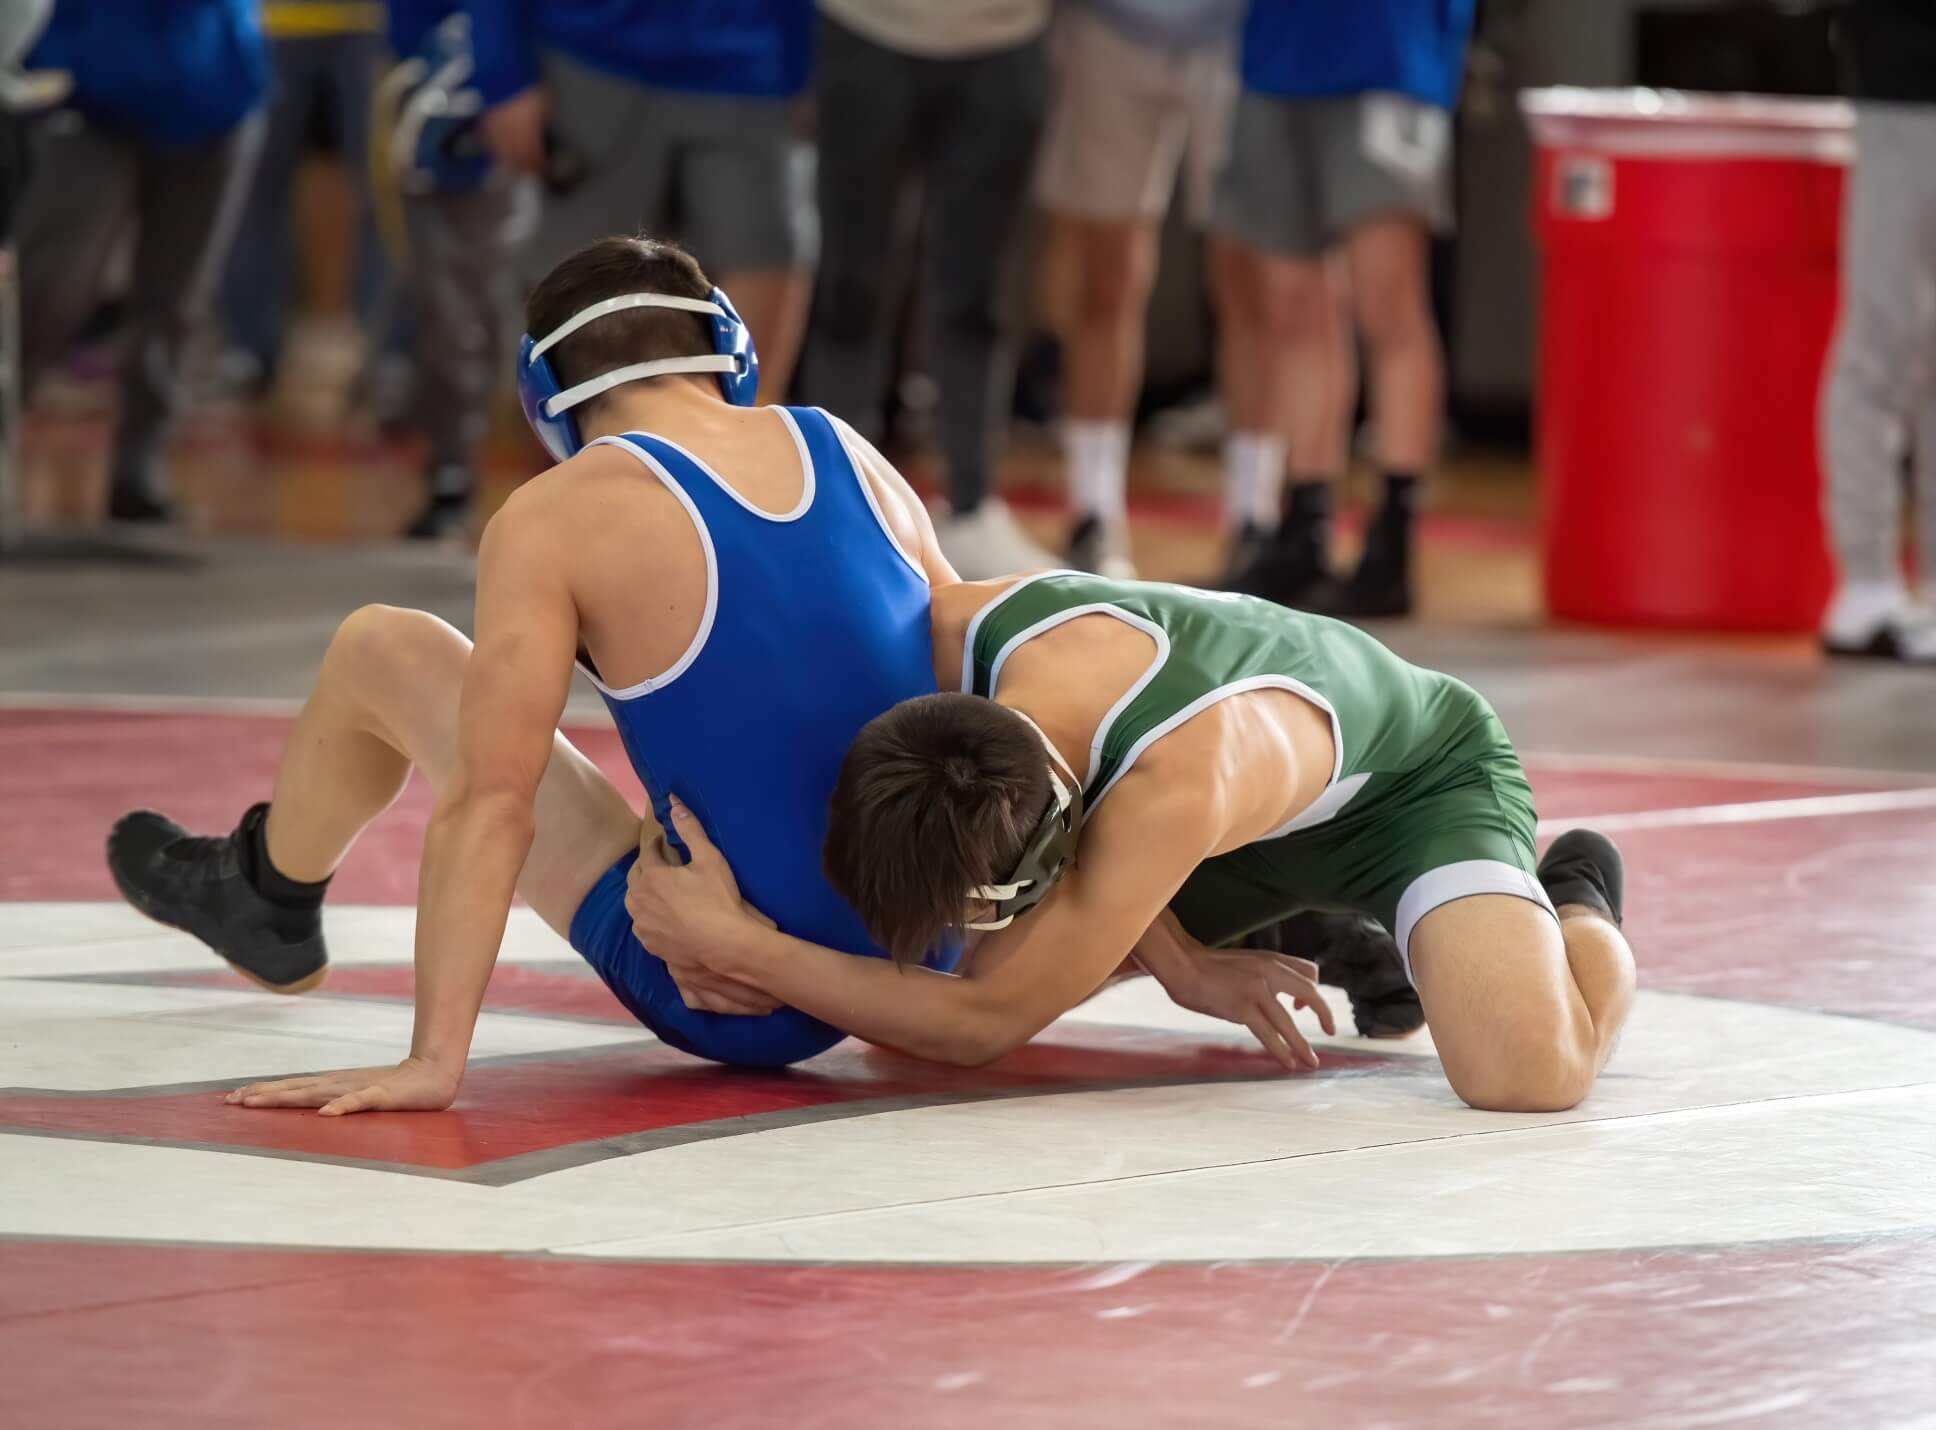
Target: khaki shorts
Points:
(1302, 173)
(1125, 118)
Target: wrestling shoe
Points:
(1583, 867)
(198, 885)
(1357, 955)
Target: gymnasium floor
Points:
(1134, 1222)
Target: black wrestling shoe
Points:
(1356, 954)
(197, 885)
(1582, 867)
(1381, 587)
(1288, 570)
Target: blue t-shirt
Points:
(172, 72)
(1312, 48)
(410, 21)
(748, 47)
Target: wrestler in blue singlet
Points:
(815, 623)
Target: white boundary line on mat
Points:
(1822, 806)
(1722, 769)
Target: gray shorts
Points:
(730, 177)
(1302, 173)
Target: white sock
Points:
(1099, 469)
(1253, 478)
(1861, 608)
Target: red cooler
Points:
(1687, 301)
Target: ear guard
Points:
(435, 146)
(547, 407)
(1050, 850)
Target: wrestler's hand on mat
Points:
(1243, 986)
(413, 1085)
(1238, 985)
(513, 130)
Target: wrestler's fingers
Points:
(1272, 1040)
(1280, 1018)
(369, 1099)
(1303, 989)
(691, 832)
(278, 1085)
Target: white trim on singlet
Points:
(1337, 792)
(678, 668)
(1466, 879)
(807, 482)
(974, 626)
(1099, 608)
(1224, 692)
(846, 436)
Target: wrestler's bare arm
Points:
(904, 511)
(480, 833)
(1135, 855)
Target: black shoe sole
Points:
(139, 901)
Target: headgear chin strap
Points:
(547, 406)
(1051, 848)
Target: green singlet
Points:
(1426, 802)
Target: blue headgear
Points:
(548, 408)
(435, 146)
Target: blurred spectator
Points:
(1142, 90)
(1882, 379)
(465, 217)
(952, 97)
(166, 93)
(672, 118)
(323, 60)
(1343, 136)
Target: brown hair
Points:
(935, 798)
(610, 268)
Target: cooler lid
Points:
(1672, 123)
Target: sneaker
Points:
(1102, 547)
(137, 504)
(1583, 867)
(1381, 586)
(1906, 634)
(1357, 955)
(197, 885)
(446, 512)
(1289, 571)
(987, 542)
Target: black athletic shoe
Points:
(1583, 867)
(1290, 572)
(197, 885)
(1381, 587)
(1247, 543)
(1356, 954)
(132, 503)
(1101, 547)
(442, 517)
